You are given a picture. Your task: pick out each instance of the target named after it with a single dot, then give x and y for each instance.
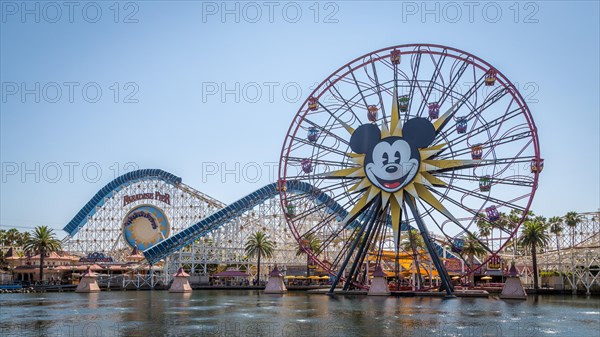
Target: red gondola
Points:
(492, 213)
(403, 103)
(485, 183)
(476, 151)
(312, 103)
(537, 166)
(461, 124)
(434, 110)
(372, 113)
(306, 165)
(395, 56)
(313, 134)
(490, 77)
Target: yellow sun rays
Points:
(418, 187)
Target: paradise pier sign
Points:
(164, 197)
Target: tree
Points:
(23, 238)
(43, 241)
(415, 244)
(534, 237)
(259, 244)
(556, 228)
(572, 219)
(309, 242)
(485, 227)
(11, 237)
(473, 248)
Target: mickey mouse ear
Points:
(365, 138)
(419, 132)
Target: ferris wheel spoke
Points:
(339, 107)
(433, 219)
(414, 81)
(358, 86)
(346, 102)
(478, 111)
(490, 145)
(453, 82)
(484, 128)
(523, 181)
(322, 161)
(443, 197)
(317, 209)
(328, 133)
(455, 165)
(449, 115)
(485, 198)
(377, 86)
(302, 141)
(463, 228)
(432, 81)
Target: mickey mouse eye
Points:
(386, 158)
(397, 156)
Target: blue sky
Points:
(171, 62)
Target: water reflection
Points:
(251, 313)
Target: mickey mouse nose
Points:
(391, 169)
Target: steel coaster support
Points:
(447, 285)
(347, 259)
(364, 244)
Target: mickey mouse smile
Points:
(388, 185)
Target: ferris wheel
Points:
(422, 137)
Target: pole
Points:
(434, 257)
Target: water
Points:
(251, 313)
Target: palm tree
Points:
(259, 244)
(11, 237)
(473, 248)
(572, 219)
(415, 244)
(312, 243)
(534, 237)
(513, 219)
(2, 237)
(23, 238)
(43, 241)
(555, 223)
(485, 227)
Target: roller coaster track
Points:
(205, 226)
(110, 189)
(174, 243)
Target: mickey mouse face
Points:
(392, 162)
